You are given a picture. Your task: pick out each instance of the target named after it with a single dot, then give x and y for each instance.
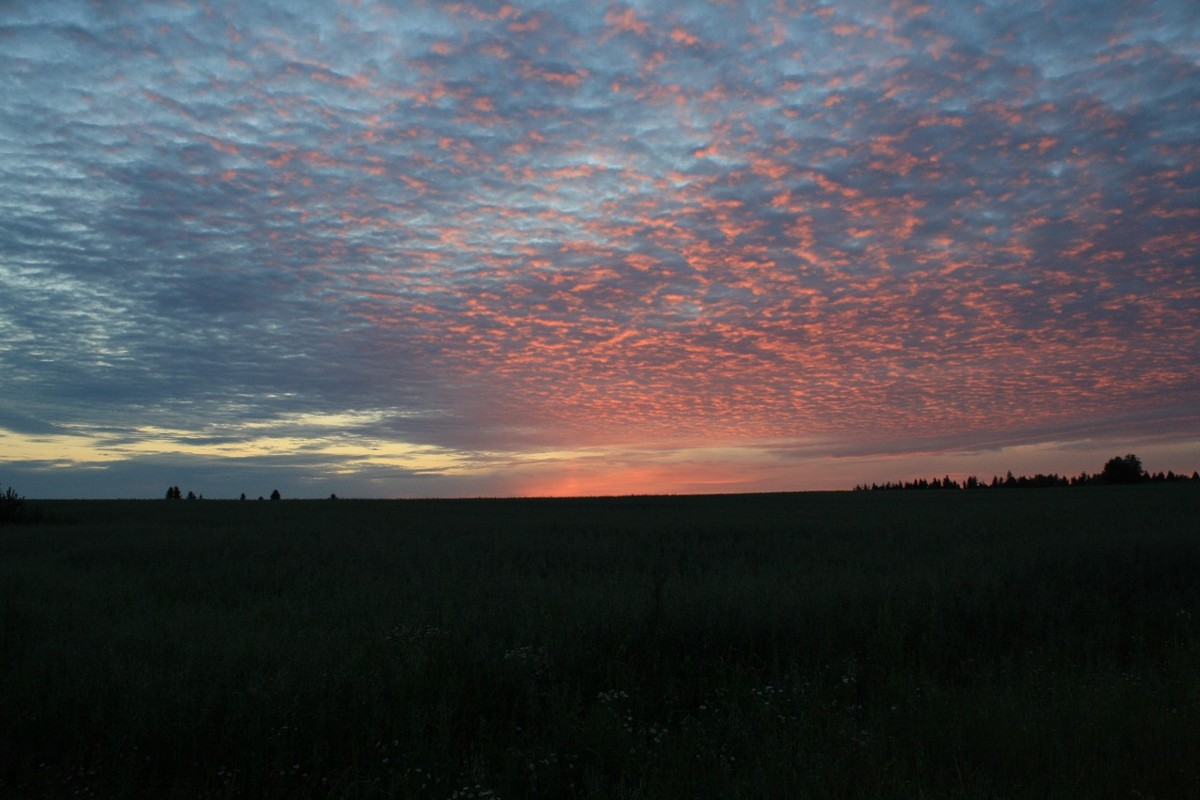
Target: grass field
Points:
(1006, 643)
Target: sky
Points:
(410, 249)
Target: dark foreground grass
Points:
(1040, 643)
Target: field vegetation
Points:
(873, 644)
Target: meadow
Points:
(935, 644)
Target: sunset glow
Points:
(425, 248)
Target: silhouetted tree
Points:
(275, 495)
(1123, 470)
(12, 507)
(1118, 470)
(243, 496)
(173, 493)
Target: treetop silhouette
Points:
(1118, 470)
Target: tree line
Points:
(175, 493)
(1118, 470)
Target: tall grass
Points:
(942, 644)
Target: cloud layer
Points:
(666, 246)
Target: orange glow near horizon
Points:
(588, 478)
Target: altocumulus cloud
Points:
(473, 248)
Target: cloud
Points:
(513, 229)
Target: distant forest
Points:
(1119, 470)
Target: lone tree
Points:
(12, 506)
(275, 495)
(1123, 470)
